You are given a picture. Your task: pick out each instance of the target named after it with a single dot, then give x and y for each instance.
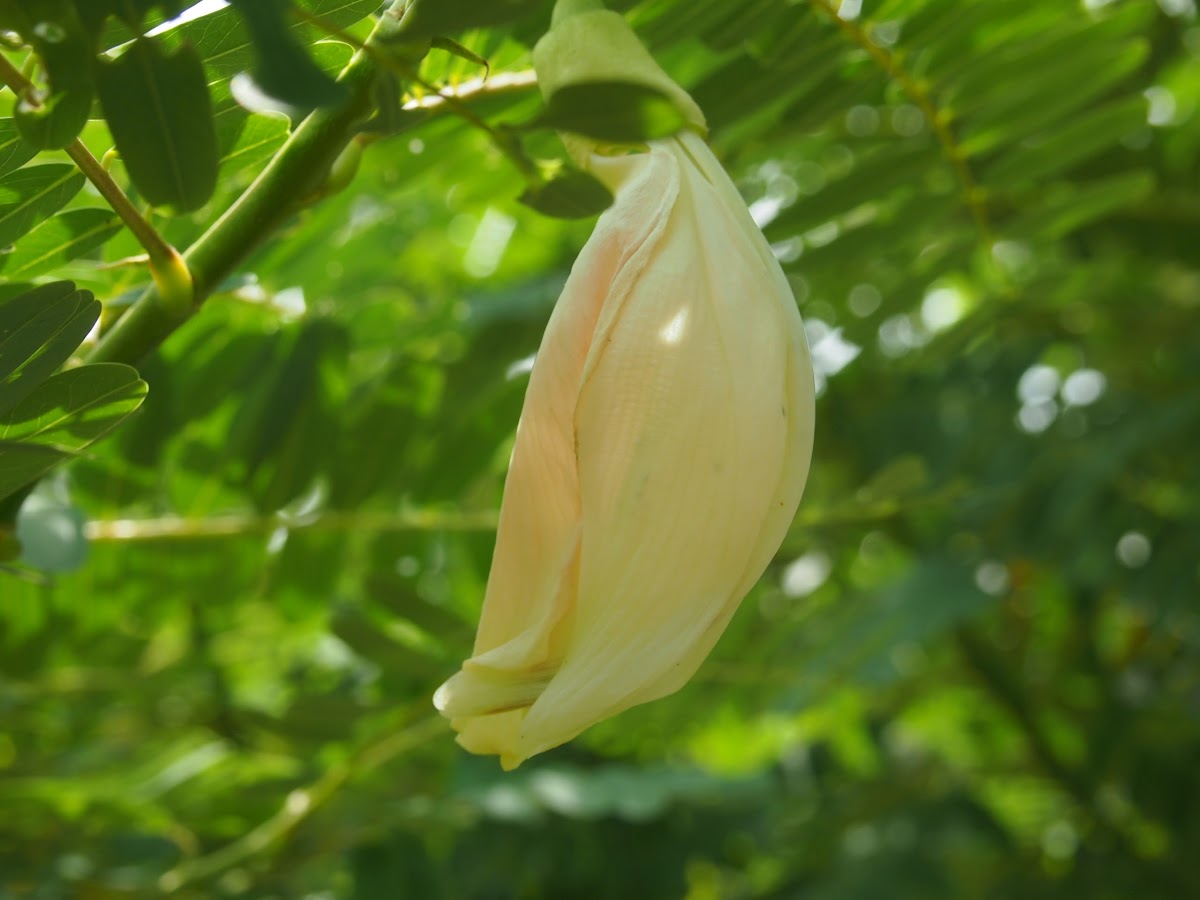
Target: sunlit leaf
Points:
(73, 408)
(22, 463)
(14, 150)
(29, 195)
(455, 16)
(58, 240)
(39, 330)
(225, 45)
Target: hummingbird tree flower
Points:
(663, 444)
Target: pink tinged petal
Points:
(529, 605)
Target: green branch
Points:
(293, 175)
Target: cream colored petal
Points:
(694, 433)
(528, 609)
(540, 510)
(799, 373)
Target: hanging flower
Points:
(663, 445)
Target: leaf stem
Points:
(164, 258)
(156, 246)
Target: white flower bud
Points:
(659, 460)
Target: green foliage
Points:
(60, 239)
(29, 195)
(132, 12)
(46, 418)
(567, 193)
(54, 119)
(157, 106)
(970, 671)
(156, 100)
(14, 151)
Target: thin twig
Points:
(300, 805)
(475, 89)
(160, 252)
(174, 528)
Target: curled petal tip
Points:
(441, 698)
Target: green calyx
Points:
(566, 8)
(587, 43)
